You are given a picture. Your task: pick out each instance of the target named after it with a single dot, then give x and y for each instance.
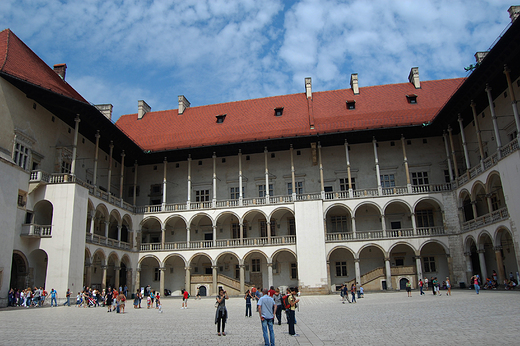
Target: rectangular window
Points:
(341, 268)
(343, 184)
(298, 190)
(202, 196)
(235, 192)
(291, 226)
(399, 262)
(235, 230)
(420, 178)
(429, 264)
(339, 223)
(21, 155)
(387, 180)
(294, 271)
(495, 202)
(255, 265)
(131, 191)
(22, 198)
(424, 218)
(262, 192)
(156, 274)
(65, 166)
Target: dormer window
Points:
(278, 112)
(412, 98)
(351, 104)
(220, 118)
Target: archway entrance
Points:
(19, 272)
(203, 291)
(402, 284)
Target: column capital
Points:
(467, 254)
(104, 267)
(269, 265)
(387, 259)
(356, 260)
(472, 104)
(117, 268)
(481, 251)
(138, 269)
(241, 266)
(97, 135)
(498, 248)
(111, 146)
(162, 268)
(187, 268)
(488, 88)
(123, 153)
(77, 119)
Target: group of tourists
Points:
(353, 290)
(29, 297)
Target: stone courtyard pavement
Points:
(378, 319)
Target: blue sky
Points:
(218, 51)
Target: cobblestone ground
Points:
(377, 319)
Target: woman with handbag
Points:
(221, 313)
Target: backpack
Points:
(285, 302)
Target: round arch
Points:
(364, 204)
(103, 210)
(253, 211)
(116, 215)
(467, 243)
(203, 254)
(19, 270)
(385, 253)
(197, 217)
(150, 218)
(145, 257)
(283, 250)
(354, 254)
(429, 241)
(176, 216)
(339, 205)
(485, 234)
(399, 243)
(399, 201)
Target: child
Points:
(78, 300)
(148, 301)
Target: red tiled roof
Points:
(376, 107)
(18, 60)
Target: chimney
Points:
(479, 56)
(308, 87)
(183, 104)
(106, 110)
(60, 70)
(354, 83)
(514, 12)
(413, 77)
(142, 109)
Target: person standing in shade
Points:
(266, 310)
(293, 301)
(221, 314)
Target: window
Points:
(294, 271)
(235, 192)
(341, 268)
(424, 218)
(21, 155)
(263, 228)
(512, 135)
(420, 178)
(351, 104)
(156, 274)
(237, 271)
(155, 189)
(202, 196)
(262, 192)
(65, 166)
(387, 180)
(447, 178)
(298, 190)
(255, 265)
(328, 189)
(429, 264)
(22, 198)
(412, 98)
(343, 184)
(131, 191)
(399, 262)
(495, 202)
(339, 223)
(278, 112)
(291, 226)
(220, 118)
(235, 230)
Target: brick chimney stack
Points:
(514, 12)
(60, 70)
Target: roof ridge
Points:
(6, 46)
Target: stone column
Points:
(482, 261)
(88, 274)
(322, 185)
(455, 165)
(469, 267)
(137, 279)
(215, 283)
(269, 274)
(293, 178)
(358, 272)
(474, 209)
(418, 265)
(129, 280)
(163, 237)
(188, 203)
(494, 118)
(353, 227)
(111, 146)
(241, 233)
(405, 158)
(388, 274)
(464, 143)
(75, 145)
(445, 137)
(513, 99)
(329, 280)
(383, 225)
(449, 259)
(104, 277)
(117, 271)
(489, 202)
(135, 183)
(479, 136)
(163, 207)
(414, 223)
(119, 234)
(92, 225)
(240, 194)
(96, 155)
(378, 175)
(242, 278)
(214, 235)
(266, 192)
(188, 236)
(161, 279)
(349, 175)
(187, 279)
(122, 177)
(268, 226)
(106, 231)
(500, 265)
(214, 197)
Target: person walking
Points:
(293, 301)
(278, 301)
(221, 314)
(53, 297)
(267, 310)
(109, 300)
(185, 296)
(247, 297)
(121, 300)
(345, 293)
(67, 295)
(353, 292)
(421, 284)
